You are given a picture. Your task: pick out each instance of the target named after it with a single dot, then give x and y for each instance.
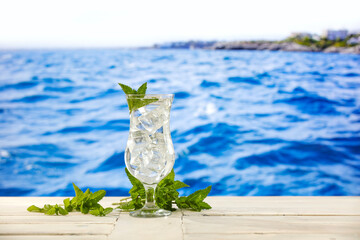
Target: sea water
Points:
(245, 122)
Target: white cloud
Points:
(112, 23)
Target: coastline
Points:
(287, 46)
(282, 46)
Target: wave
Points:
(247, 80)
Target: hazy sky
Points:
(113, 23)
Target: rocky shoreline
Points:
(281, 46)
(287, 46)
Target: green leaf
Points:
(84, 209)
(47, 207)
(126, 205)
(107, 210)
(97, 196)
(142, 89)
(127, 89)
(62, 211)
(51, 211)
(204, 205)
(138, 188)
(194, 201)
(95, 212)
(138, 103)
(134, 181)
(100, 211)
(199, 195)
(170, 176)
(34, 208)
(67, 205)
(179, 184)
(181, 202)
(78, 191)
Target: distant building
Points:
(316, 37)
(336, 34)
(354, 40)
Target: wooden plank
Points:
(26, 201)
(229, 206)
(165, 228)
(280, 206)
(16, 206)
(271, 236)
(56, 229)
(41, 218)
(272, 224)
(54, 237)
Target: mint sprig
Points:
(166, 195)
(84, 202)
(139, 101)
(48, 209)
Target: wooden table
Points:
(280, 218)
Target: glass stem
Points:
(150, 196)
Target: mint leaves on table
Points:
(166, 195)
(139, 101)
(48, 209)
(85, 202)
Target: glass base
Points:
(150, 213)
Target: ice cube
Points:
(157, 138)
(135, 162)
(136, 125)
(142, 110)
(140, 137)
(154, 120)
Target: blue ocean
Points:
(249, 123)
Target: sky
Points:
(130, 23)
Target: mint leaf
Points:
(134, 181)
(100, 211)
(51, 211)
(199, 195)
(139, 101)
(179, 184)
(78, 191)
(170, 176)
(142, 89)
(166, 191)
(34, 208)
(107, 210)
(62, 211)
(83, 208)
(97, 196)
(67, 205)
(181, 203)
(137, 192)
(127, 89)
(194, 201)
(127, 206)
(95, 212)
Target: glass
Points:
(149, 154)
